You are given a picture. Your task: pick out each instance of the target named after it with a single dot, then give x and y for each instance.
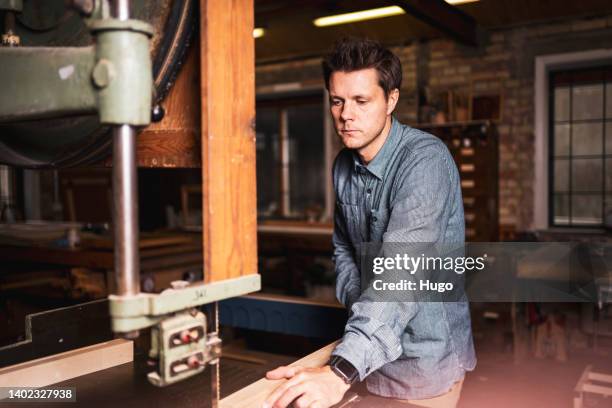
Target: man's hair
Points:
(353, 54)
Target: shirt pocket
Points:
(379, 219)
(353, 221)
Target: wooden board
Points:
(227, 64)
(294, 300)
(255, 394)
(64, 366)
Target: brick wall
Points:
(503, 64)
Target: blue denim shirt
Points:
(409, 192)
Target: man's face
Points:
(359, 107)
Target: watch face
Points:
(345, 369)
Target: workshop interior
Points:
(167, 206)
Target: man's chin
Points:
(352, 143)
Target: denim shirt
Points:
(409, 192)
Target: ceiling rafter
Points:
(446, 18)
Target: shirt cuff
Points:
(357, 350)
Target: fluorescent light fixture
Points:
(359, 16)
(258, 32)
(456, 2)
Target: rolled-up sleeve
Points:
(419, 214)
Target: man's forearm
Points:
(373, 332)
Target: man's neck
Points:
(369, 151)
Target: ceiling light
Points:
(456, 2)
(358, 16)
(258, 32)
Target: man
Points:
(393, 184)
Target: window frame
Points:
(283, 99)
(571, 154)
(544, 64)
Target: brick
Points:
(442, 45)
(438, 55)
(438, 63)
(452, 80)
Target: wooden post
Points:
(227, 66)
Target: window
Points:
(580, 152)
(291, 158)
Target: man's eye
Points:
(361, 102)
(336, 103)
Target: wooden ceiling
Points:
(290, 33)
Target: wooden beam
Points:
(175, 141)
(255, 394)
(227, 73)
(445, 17)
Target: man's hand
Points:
(308, 387)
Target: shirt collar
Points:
(379, 163)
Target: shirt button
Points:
(369, 191)
(374, 219)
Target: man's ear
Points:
(392, 100)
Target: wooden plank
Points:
(64, 366)
(294, 299)
(170, 250)
(228, 139)
(441, 15)
(255, 394)
(175, 141)
(597, 389)
(601, 377)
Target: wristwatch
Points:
(344, 370)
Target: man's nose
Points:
(347, 112)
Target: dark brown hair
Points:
(352, 54)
